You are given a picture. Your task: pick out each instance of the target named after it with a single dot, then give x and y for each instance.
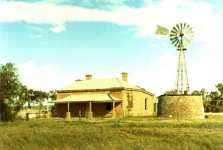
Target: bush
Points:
(9, 113)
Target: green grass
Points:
(126, 133)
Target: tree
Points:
(196, 92)
(170, 93)
(12, 92)
(52, 95)
(215, 100)
(38, 96)
(220, 89)
(214, 95)
(201, 92)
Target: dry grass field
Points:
(106, 134)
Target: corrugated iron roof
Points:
(93, 97)
(93, 84)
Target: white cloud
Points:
(200, 15)
(146, 18)
(205, 70)
(157, 76)
(204, 64)
(36, 76)
(58, 28)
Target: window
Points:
(108, 106)
(146, 104)
(130, 100)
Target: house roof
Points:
(100, 84)
(93, 97)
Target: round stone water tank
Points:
(181, 107)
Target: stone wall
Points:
(138, 103)
(181, 107)
(121, 109)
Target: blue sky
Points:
(54, 42)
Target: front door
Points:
(82, 110)
(78, 109)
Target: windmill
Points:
(180, 36)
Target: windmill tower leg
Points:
(182, 85)
(177, 84)
(186, 77)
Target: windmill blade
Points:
(189, 36)
(160, 30)
(181, 27)
(188, 29)
(177, 43)
(184, 25)
(173, 38)
(174, 30)
(173, 35)
(178, 28)
(186, 41)
(181, 35)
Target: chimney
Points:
(88, 76)
(124, 76)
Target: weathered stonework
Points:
(99, 109)
(181, 107)
(112, 97)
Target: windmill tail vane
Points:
(160, 30)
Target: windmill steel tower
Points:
(180, 36)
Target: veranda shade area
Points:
(97, 97)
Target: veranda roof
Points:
(96, 97)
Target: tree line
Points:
(13, 94)
(213, 101)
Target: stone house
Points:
(111, 97)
